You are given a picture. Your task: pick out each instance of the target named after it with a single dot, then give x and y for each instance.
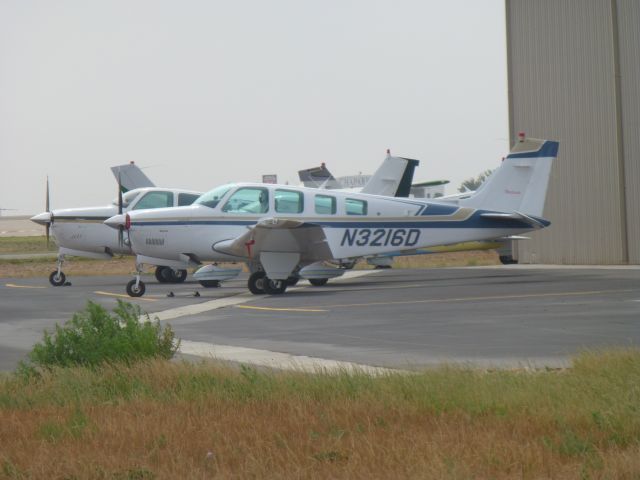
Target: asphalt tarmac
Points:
(507, 316)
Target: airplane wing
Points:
(280, 236)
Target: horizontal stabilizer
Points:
(433, 183)
(534, 222)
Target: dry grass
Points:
(168, 420)
(72, 267)
(453, 259)
(26, 245)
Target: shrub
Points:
(93, 336)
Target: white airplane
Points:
(81, 231)
(284, 233)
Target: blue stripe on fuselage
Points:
(438, 209)
(474, 221)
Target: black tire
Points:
(318, 282)
(209, 283)
(134, 291)
(274, 287)
(256, 283)
(57, 280)
(163, 274)
(291, 281)
(178, 276)
(507, 260)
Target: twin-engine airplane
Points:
(284, 233)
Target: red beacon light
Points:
(521, 136)
(127, 222)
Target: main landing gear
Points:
(57, 277)
(259, 284)
(136, 287)
(169, 275)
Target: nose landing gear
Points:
(136, 287)
(57, 277)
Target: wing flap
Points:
(279, 235)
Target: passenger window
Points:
(288, 201)
(155, 200)
(325, 205)
(355, 207)
(248, 200)
(185, 199)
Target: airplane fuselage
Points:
(354, 225)
(82, 232)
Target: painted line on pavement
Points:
(13, 285)
(122, 295)
(203, 307)
(232, 300)
(470, 299)
(251, 307)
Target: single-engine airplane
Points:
(284, 233)
(81, 232)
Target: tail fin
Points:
(318, 177)
(393, 178)
(520, 183)
(131, 177)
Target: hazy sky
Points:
(207, 92)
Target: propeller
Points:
(48, 224)
(120, 227)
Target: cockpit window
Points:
(212, 198)
(248, 200)
(155, 200)
(185, 199)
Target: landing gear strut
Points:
(57, 277)
(136, 288)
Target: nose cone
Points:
(42, 218)
(116, 221)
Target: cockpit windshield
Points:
(212, 198)
(127, 198)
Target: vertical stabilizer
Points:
(393, 178)
(318, 177)
(520, 183)
(131, 177)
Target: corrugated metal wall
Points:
(562, 63)
(629, 46)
